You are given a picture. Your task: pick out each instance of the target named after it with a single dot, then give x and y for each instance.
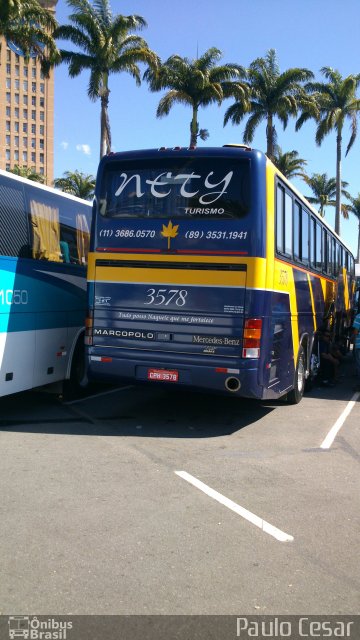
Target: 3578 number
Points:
(164, 297)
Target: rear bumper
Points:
(213, 375)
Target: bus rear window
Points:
(183, 188)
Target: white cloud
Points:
(64, 144)
(85, 148)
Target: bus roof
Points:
(33, 183)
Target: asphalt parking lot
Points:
(144, 500)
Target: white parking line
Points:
(244, 513)
(339, 422)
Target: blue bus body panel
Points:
(40, 295)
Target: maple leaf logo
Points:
(169, 232)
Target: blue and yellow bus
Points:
(44, 243)
(207, 269)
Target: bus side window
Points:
(297, 231)
(305, 237)
(280, 219)
(14, 237)
(318, 255)
(288, 225)
(312, 242)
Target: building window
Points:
(41, 143)
(33, 143)
(8, 141)
(24, 156)
(17, 70)
(16, 156)
(7, 154)
(8, 55)
(42, 116)
(33, 72)
(25, 114)
(17, 98)
(33, 115)
(42, 87)
(33, 87)
(42, 129)
(8, 83)
(25, 85)
(42, 102)
(25, 99)
(8, 112)
(8, 98)
(25, 142)
(33, 156)
(33, 101)
(33, 129)
(16, 127)
(16, 112)
(25, 72)
(8, 125)
(41, 158)
(16, 141)
(17, 85)
(25, 127)
(8, 69)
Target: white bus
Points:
(44, 241)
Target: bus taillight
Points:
(89, 322)
(252, 338)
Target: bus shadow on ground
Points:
(138, 411)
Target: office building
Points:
(26, 110)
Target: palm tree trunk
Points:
(194, 127)
(270, 137)
(358, 249)
(338, 182)
(105, 134)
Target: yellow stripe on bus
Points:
(254, 276)
(171, 276)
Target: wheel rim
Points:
(301, 375)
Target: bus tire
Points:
(296, 394)
(75, 385)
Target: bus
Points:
(208, 269)
(44, 243)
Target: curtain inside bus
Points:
(46, 231)
(82, 237)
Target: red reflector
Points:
(253, 323)
(106, 359)
(220, 370)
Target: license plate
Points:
(163, 374)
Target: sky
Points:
(304, 33)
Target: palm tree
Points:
(272, 94)
(324, 190)
(27, 172)
(337, 102)
(354, 208)
(289, 163)
(107, 46)
(30, 27)
(78, 184)
(196, 83)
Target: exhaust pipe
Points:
(232, 384)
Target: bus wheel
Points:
(78, 381)
(299, 379)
